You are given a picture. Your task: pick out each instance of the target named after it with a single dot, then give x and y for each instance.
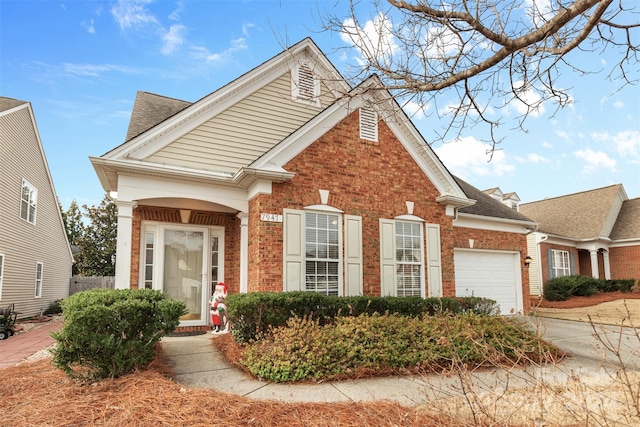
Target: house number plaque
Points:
(270, 217)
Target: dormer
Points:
(510, 200)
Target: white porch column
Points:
(607, 266)
(123, 245)
(244, 251)
(594, 263)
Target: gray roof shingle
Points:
(486, 205)
(149, 110)
(628, 224)
(578, 216)
(9, 103)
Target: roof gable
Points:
(150, 109)
(627, 225)
(583, 216)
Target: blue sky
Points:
(80, 64)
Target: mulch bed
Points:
(37, 393)
(577, 301)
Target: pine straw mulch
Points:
(38, 394)
(578, 301)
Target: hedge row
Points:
(561, 288)
(253, 314)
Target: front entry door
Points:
(185, 275)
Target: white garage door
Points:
(490, 274)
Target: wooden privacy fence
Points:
(78, 283)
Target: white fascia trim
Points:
(138, 167)
(494, 224)
(624, 243)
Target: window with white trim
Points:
(28, 202)
(368, 124)
(322, 253)
(1, 272)
(38, 288)
(149, 252)
(409, 266)
(402, 257)
(560, 264)
(305, 86)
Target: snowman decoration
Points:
(219, 309)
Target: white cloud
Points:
(202, 53)
(374, 40)
(626, 143)
(91, 70)
(533, 158)
(562, 134)
(529, 102)
(132, 14)
(175, 15)
(539, 11)
(89, 27)
(442, 43)
(172, 39)
(468, 158)
(618, 104)
(245, 28)
(595, 160)
(415, 110)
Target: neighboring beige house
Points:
(35, 256)
(594, 233)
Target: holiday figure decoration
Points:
(219, 309)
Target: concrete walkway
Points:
(197, 363)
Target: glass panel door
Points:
(183, 269)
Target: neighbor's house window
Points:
(305, 85)
(322, 251)
(38, 290)
(560, 263)
(28, 202)
(402, 261)
(1, 272)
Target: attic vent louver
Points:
(304, 84)
(368, 124)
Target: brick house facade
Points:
(313, 194)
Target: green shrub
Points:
(253, 314)
(109, 333)
(561, 288)
(304, 349)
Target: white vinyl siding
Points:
(1, 272)
(28, 202)
(402, 258)
(22, 243)
(368, 124)
(238, 136)
(38, 287)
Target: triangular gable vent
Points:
(368, 124)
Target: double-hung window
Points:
(409, 266)
(322, 253)
(28, 202)
(38, 285)
(402, 258)
(560, 263)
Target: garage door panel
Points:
(490, 274)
